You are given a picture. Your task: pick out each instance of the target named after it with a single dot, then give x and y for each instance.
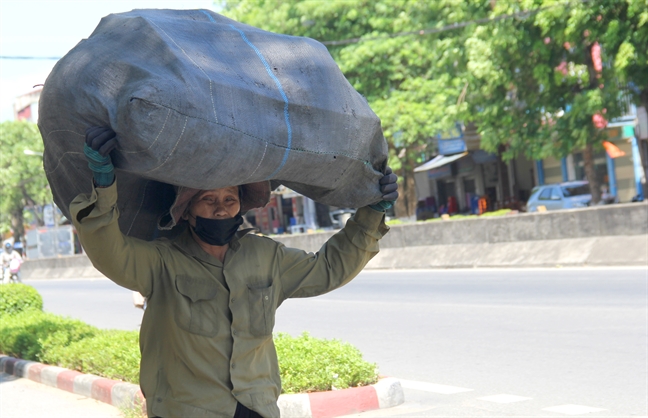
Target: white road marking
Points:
(491, 269)
(573, 409)
(433, 387)
(504, 398)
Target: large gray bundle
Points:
(201, 101)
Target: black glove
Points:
(389, 189)
(99, 142)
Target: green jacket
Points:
(206, 335)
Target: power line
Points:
(524, 14)
(457, 25)
(8, 57)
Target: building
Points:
(291, 212)
(455, 180)
(26, 106)
(621, 169)
(462, 174)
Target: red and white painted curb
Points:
(384, 394)
(113, 392)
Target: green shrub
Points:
(18, 297)
(30, 334)
(309, 364)
(112, 354)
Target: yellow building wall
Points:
(623, 168)
(552, 170)
(625, 172)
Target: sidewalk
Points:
(23, 398)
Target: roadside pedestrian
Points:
(212, 292)
(11, 260)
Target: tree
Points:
(629, 39)
(537, 77)
(22, 178)
(412, 82)
(546, 85)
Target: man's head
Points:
(8, 247)
(250, 196)
(222, 203)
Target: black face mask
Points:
(217, 231)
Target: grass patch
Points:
(500, 212)
(496, 213)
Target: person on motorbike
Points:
(10, 260)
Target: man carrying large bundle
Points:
(206, 336)
(199, 116)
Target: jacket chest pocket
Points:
(196, 305)
(262, 310)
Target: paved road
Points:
(466, 342)
(99, 302)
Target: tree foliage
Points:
(409, 81)
(526, 78)
(536, 86)
(629, 38)
(22, 178)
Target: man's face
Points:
(214, 204)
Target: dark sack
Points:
(201, 101)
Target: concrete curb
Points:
(387, 393)
(384, 394)
(112, 392)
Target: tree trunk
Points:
(17, 225)
(410, 192)
(590, 173)
(643, 99)
(406, 203)
(503, 174)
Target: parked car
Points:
(567, 195)
(340, 217)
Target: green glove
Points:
(102, 168)
(99, 143)
(382, 206)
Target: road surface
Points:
(541, 342)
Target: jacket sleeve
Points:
(129, 262)
(339, 260)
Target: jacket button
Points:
(266, 298)
(232, 300)
(233, 366)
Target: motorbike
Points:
(12, 271)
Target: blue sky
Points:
(50, 28)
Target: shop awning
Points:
(438, 161)
(612, 150)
